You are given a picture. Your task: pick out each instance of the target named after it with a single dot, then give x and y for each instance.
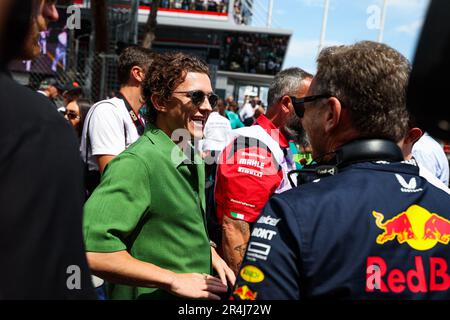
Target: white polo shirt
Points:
(111, 130)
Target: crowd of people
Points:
(253, 53)
(197, 5)
(186, 195)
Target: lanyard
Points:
(139, 126)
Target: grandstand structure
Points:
(235, 37)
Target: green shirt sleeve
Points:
(117, 206)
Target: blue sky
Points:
(348, 22)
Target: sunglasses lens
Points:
(198, 97)
(71, 116)
(213, 100)
(298, 107)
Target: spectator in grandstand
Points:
(253, 53)
(201, 5)
(160, 248)
(237, 14)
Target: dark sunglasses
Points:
(71, 115)
(198, 97)
(299, 103)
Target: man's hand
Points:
(196, 286)
(121, 268)
(222, 268)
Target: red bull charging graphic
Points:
(422, 231)
(419, 228)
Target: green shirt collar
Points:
(167, 146)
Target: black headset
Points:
(364, 150)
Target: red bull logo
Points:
(245, 293)
(383, 278)
(419, 228)
(437, 228)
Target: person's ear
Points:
(332, 114)
(286, 104)
(157, 103)
(414, 134)
(138, 73)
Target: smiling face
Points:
(181, 113)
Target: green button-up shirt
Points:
(151, 202)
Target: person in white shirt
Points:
(412, 137)
(217, 131)
(112, 125)
(430, 154)
(246, 112)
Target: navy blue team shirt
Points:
(375, 230)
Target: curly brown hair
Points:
(165, 74)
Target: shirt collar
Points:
(167, 146)
(270, 128)
(407, 166)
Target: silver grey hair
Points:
(286, 82)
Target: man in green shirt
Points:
(144, 226)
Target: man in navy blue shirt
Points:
(369, 226)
